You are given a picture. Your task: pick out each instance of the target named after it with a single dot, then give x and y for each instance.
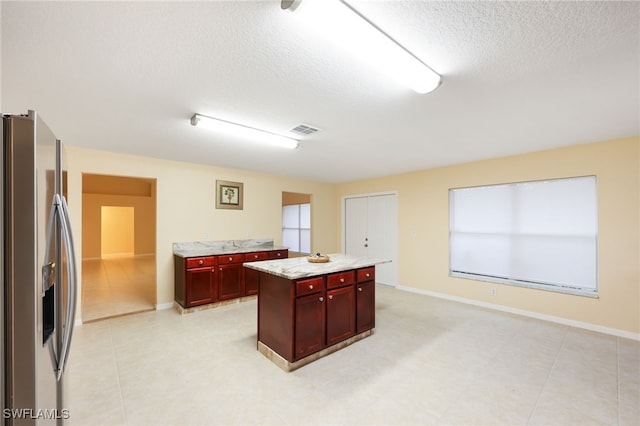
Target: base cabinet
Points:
(251, 279)
(196, 281)
(200, 286)
(310, 324)
(365, 300)
(341, 314)
(209, 279)
(230, 285)
(297, 318)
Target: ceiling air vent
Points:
(304, 130)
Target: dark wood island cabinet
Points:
(306, 311)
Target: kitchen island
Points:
(310, 310)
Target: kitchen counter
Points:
(299, 267)
(215, 248)
(208, 274)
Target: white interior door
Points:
(371, 230)
(356, 227)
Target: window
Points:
(296, 227)
(535, 234)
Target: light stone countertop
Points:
(299, 267)
(213, 248)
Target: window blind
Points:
(541, 233)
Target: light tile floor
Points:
(430, 361)
(120, 286)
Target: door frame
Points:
(343, 220)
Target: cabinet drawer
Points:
(366, 274)
(198, 262)
(342, 278)
(309, 286)
(279, 254)
(230, 258)
(252, 257)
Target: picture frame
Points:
(229, 194)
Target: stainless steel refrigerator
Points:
(39, 274)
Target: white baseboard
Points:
(162, 306)
(559, 320)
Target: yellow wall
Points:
(185, 197)
(117, 229)
(423, 220)
(144, 222)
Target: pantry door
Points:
(370, 224)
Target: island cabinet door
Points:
(200, 286)
(365, 306)
(341, 315)
(309, 324)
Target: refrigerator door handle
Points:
(53, 353)
(72, 290)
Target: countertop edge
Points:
(297, 268)
(220, 252)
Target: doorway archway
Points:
(118, 246)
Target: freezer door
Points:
(33, 263)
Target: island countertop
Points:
(299, 267)
(213, 248)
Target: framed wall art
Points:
(229, 195)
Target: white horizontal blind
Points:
(539, 233)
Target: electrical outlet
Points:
(493, 291)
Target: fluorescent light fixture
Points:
(242, 131)
(339, 21)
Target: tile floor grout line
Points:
(115, 360)
(546, 382)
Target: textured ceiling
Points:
(517, 77)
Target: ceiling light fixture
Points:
(242, 131)
(347, 27)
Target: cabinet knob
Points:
(368, 275)
(230, 258)
(341, 280)
(321, 299)
(255, 256)
(200, 262)
(279, 254)
(213, 269)
(359, 288)
(220, 269)
(330, 296)
(310, 286)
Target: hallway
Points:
(117, 286)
